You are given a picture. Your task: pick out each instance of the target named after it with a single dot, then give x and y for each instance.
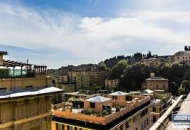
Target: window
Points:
(142, 128)
(163, 86)
(154, 109)
(129, 98)
(154, 119)
(156, 86)
(147, 121)
(114, 97)
(92, 105)
(127, 124)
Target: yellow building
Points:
(67, 87)
(111, 83)
(181, 56)
(156, 83)
(82, 79)
(162, 101)
(117, 111)
(25, 98)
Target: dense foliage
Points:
(132, 76)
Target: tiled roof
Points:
(156, 78)
(98, 99)
(118, 93)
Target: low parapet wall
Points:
(162, 122)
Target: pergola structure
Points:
(13, 64)
(9, 63)
(3, 52)
(37, 68)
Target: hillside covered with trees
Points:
(131, 76)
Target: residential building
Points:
(84, 67)
(180, 56)
(67, 87)
(82, 79)
(162, 101)
(25, 96)
(155, 83)
(98, 77)
(118, 110)
(111, 83)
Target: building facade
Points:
(156, 83)
(25, 98)
(180, 57)
(117, 111)
(111, 83)
(162, 101)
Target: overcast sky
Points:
(62, 32)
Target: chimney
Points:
(152, 75)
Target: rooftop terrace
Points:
(119, 110)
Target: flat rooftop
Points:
(28, 92)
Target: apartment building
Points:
(116, 111)
(25, 98)
(180, 56)
(111, 83)
(84, 67)
(67, 87)
(162, 101)
(155, 83)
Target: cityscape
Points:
(94, 65)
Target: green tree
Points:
(165, 70)
(186, 85)
(187, 75)
(181, 90)
(173, 88)
(118, 69)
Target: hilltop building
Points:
(151, 61)
(25, 97)
(155, 83)
(180, 57)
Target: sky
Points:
(71, 32)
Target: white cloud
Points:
(91, 39)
